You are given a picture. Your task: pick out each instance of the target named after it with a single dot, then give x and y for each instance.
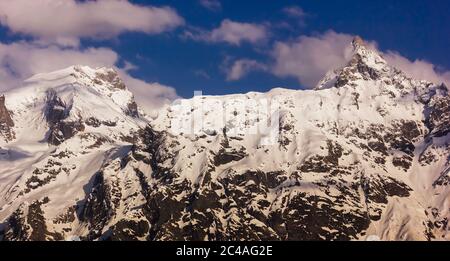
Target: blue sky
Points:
(416, 30)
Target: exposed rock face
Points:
(6, 122)
(5, 117)
(111, 77)
(132, 110)
(60, 129)
(438, 116)
(28, 223)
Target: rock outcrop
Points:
(6, 122)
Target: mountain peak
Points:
(82, 74)
(69, 101)
(358, 42)
(365, 63)
(366, 52)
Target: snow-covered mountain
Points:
(364, 154)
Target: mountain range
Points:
(363, 156)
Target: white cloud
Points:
(148, 95)
(294, 11)
(213, 5)
(242, 67)
(57, 26)
(309, 58)
(236, 33)
(129, 66)
(231, 32)
(418, 69)
(66, 21)
(21, 60)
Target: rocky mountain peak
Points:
(365, 63)
(67, 102)
(83, 75)
(100, 76)
(105, 81)
(365, 52)
(357, 41)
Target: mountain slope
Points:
(66, 123)
(366, 153)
